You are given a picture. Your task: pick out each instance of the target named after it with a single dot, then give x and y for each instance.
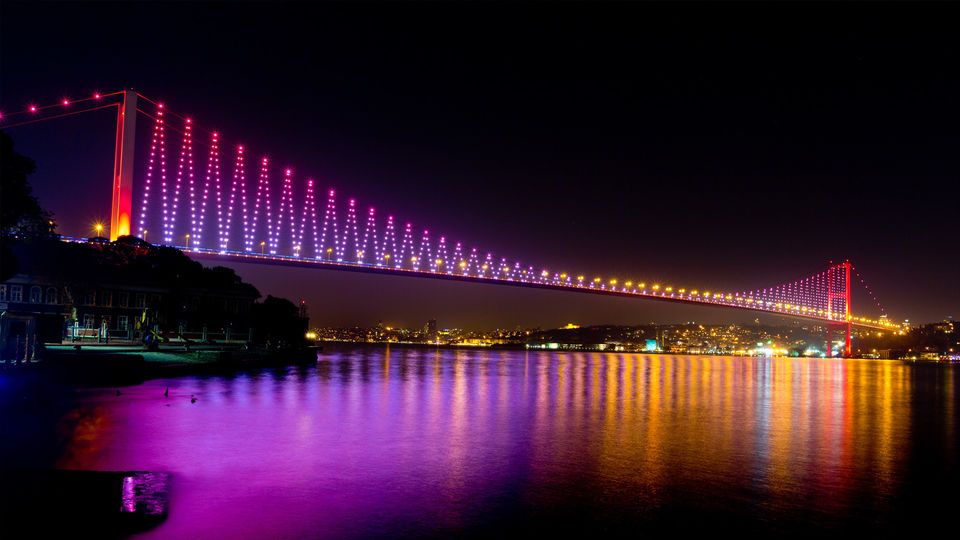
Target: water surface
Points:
(374, 442)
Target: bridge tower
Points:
(845, 295)
(848, 349)
(121, 211)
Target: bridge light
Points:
(32, 108)
(463, 264)
(96, 95)
(580, 278)
(439, 262)
(613, 281)
(628, 284)
(669, 289)
(596, 280)
(65, 102)
(641, 285)
(656, 287)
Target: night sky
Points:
(725, 147)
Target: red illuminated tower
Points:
(122, 209)
(845, 295)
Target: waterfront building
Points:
(117, 292)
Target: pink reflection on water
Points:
(412, 442)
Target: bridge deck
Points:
(736, 303)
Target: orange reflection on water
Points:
(440, 439)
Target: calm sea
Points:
(410, 443)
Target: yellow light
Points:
(613, 281)
(656, 287)
(439, 262)
(596, 280)
(629, 284)
(563, 276)
(99, 227)
(463, 264)
(311, 335)
(669, 289)
(694, 292)
(579, 278)
(641, 284)
(681, 291)
(413, 259)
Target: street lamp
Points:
(98, 227)
(145, 235)
(187, 240)
(262, 243)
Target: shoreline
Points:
(109, 365)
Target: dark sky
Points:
(724, 147)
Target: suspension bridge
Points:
(226, 203)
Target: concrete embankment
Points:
(37, 503)
(117, 366)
